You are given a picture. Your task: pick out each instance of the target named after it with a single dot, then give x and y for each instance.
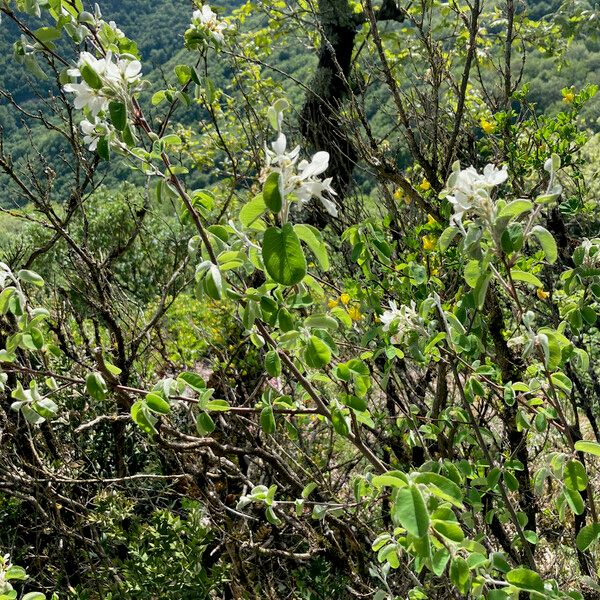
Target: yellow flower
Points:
(399, 194)
(435, 272)
(345, 298)
(429, 242)
(332, 303)
(431, 220)
(354, 313)
(425, 185)
(568, 97)
(542, 294)
(487, 126)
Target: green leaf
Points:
(204, 424)
(459, 574)
(272, 193)
(184, 73)
(472, 272)
(15, 573)
(446, 238)
(574, 500)
(96, 386)
(216, 405)
(526, 277)
(103, 148)
(391, 479)
(588, 447)
(158, 404)
(525, 579)
(142, 417)
(30, 277)
(547, 242)
(90, 77)
(34, 596)
(267, 420)
(252, 211)
(273, 363)
(516, 207)
(194, 381)
(311, 236)
(450, 530)
(118, 115)
(575, 476)
(283, 256)
(587, 536)
(442, 487)
(339, 423)
(309, 488)
(317, 353)
(409, 510)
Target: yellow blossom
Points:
(487, 126)
(345, 298)
(429, 242)
(435, 272)
(431, 220)
(354, 313)
(398, 194)
(425, 185)
(332, 303)
(542, 294)
(568, 97)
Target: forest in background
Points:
(362, 368)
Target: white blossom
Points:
(403, 320)
(206, 20)
(469, 190)
(119, 80)
(301, 182)
(93, 131)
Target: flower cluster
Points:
(206, 27)
(300, 181)
(5, 565)
(469, 190)
(590, 253)
(402, 320)
(102, 80)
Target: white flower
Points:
(118, 80)
(126, 72)
(118, 33)
(469, 190)
(207, 20)
(301, 182)
(92, 132)
(404, 319)
(87, 97)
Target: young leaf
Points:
(525, 579)
(283, 256)
(317, 353)
(118, 115)
(409, 510)
(588, 447)
(96, 386)
(272, 193)
(547, 242)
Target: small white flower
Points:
(92, 132)
(86, 97)
(119, 80)
(405, 319)
(207, 20)
(301, 182)
(469, 190)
